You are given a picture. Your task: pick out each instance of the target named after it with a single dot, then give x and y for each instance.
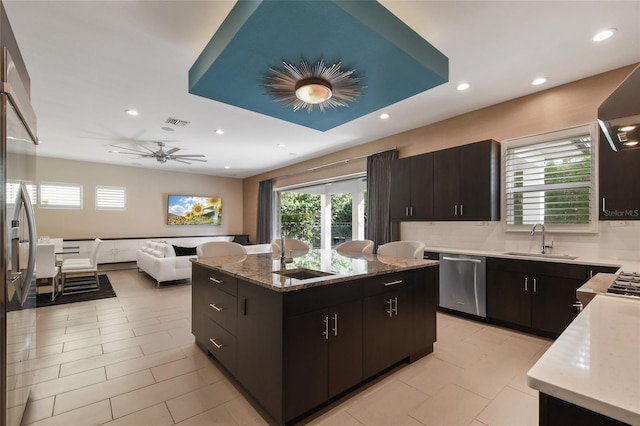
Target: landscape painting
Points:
(192, 210)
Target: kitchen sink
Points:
(302, 273)
(545, 255)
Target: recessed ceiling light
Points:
(384, 116)
(630, 143)
(627, 128)
(603, 35)
(219, 132)
(114, 151)
(227, 167)
(539, 81)
(463, 86)
(132, 112)
(281, 145)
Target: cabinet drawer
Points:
(221, 307)
(217, 279)
(384, 283)
(221, 344)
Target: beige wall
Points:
(146, 213)
(564, 106)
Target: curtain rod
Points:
(313, 169)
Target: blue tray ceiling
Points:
(393, 61)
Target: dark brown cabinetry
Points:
(534, 295)
(619, 184)
(411, 188)
(466, 182)
(214, 314)
(294, 351)
(461, 183)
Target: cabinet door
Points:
(619, 186)
(259, 336)
(508, 295)
(446, 183)
(479, 197)
(401, 325)
(345, 346)
(400, 189)
(377, 313)
(552, 302)
(306, 360)
(422, 187)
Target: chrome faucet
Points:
(533, 231)
(283, 258)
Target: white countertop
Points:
(622, 264)
(595, 363)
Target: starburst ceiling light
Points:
(313, 87)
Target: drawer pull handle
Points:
(215, 280)
(214, 306)
(393, 283)
(216, 344)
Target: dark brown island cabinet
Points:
(295, 351)
(535, 296)
(455, 184)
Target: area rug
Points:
(106, 291)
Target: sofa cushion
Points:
(184, 251)
(156, 253)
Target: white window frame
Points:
(54, 205)
(571, 132)
(111, 189)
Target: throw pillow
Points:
(184, 251)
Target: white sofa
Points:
(158, 258)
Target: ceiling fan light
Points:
(313, 90)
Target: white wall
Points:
(146, 213)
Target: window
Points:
(60, 195)
(549, 179)
(12, 192)
(111, 198)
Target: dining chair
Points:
(220, 248)
(58, 242)
(356, 246)
(82, 265)
(404, 249)
(46, 268)
(290, 244)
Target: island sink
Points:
(302, 273)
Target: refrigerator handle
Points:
(24, 200)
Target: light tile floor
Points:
(132, 360)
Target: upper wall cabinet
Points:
(466, 182)
(461, 183)
(619, 183)
(411, 188)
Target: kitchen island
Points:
(591, 373)
(297, 336)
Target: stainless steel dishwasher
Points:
(463, 283)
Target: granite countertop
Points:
(555, 256)
(259, 268)
(595, 363)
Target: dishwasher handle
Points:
(461, 259)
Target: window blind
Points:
(60, 195)
(549, 182)
(111, 198)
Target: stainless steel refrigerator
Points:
(18, 232)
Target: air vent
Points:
(177, 122)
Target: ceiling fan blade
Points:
(180, 158)
(172, 150)
(188, 155)
(128, 149)
(181, 161)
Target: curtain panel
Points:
(378, 227)
(265, 212)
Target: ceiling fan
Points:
(161, 155)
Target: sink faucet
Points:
(283, 258)
(533, 231)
